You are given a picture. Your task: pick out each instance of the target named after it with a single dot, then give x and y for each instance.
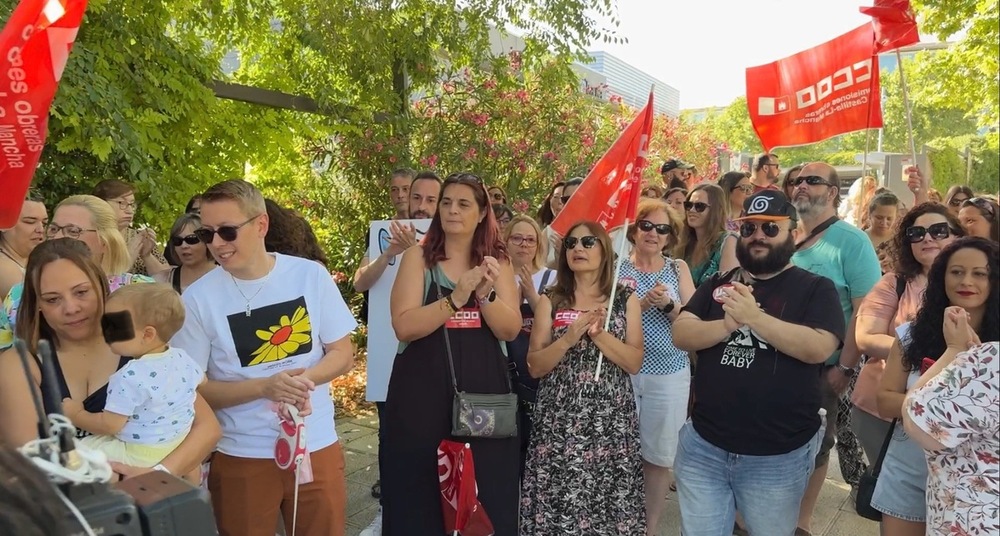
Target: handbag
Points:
(480, 415)
(866, 485)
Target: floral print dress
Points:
(960, 408)
(584, 470)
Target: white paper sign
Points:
(382, 342)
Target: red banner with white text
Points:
(610, 192)
(818, 93)
(34, 46)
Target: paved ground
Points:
(834, 515)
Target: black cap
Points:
(769, 205)
(674, 163)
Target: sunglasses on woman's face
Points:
(746, 188)
(564, 199)
(938, 231)
(698, 206)
(496, 196)
(190, 240)
(647, 226)
(957, 201)
(587, 241)
(226, 232)
(771, 229)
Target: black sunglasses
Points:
(938, 231)
(190, 240)
(463, 177)
(226, 232)
(564, 199)
(956, 202)
(588, 241)
(811, 180)
(661, 228)
(771, 229)
(698, 207)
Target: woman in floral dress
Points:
(584, 471)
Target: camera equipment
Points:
(152, 504)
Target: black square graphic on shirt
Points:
(272, 333)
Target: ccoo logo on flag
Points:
(772, 105)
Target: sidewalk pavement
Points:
(834, 515)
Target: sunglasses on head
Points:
(226, 232)
(811, 180)
(588, 241)
(697, 206)
(661, 228)
(938, 231)
(771, 229)
(190, 240)
(982, 204)
(463, 177)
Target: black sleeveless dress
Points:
(94, 403)
(418, 416)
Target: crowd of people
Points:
(757, 322)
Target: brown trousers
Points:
(248, 493)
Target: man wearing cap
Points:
(842, 253)
(674, 171)
(762, 332)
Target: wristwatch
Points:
(668, 307)
(849, 372)
(490, 298)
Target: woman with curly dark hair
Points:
(894, 301)
(289, 233)
(963, 275)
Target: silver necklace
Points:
(250, 299)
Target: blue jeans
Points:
(713, 483)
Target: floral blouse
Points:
(960, 408)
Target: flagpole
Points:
(614, 287)
(906, 102)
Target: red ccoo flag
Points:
(612, 180)
(895, 25)
(463, 513)
(818, 93)
(34, 46)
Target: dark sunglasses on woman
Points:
(588, 241)
(698, 207)
(957, 201)
(647, 226)
(771, 229)
(190, 240)
(938, 231)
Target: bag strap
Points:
(877, 468)
(900, 287)
(447, 345)
(815, 232)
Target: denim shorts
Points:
(902, 484)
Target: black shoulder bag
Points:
(866, 485)
(479, 414)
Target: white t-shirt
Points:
(298, 310)
(156, 392)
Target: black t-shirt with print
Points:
(750, 398)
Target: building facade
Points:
(631, 84)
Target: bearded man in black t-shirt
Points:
(762, 333)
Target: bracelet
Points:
(450, 304)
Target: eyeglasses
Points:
(190, 240)
(124, 205)
(588, 241)
(661, 228)
(496, 196)
(70, 230)
(938, 231)
(519, 240)
(746, 188)
(982, 204)
(226, 232)
(771, 229)
(957, 201)
(698, 206)
(811, 180)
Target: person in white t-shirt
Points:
(268, 329)
(150, 405)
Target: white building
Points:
(633, 84)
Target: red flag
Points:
(895, 25)
(613, 179)
(818, 93)
(463, 514)
(34, 46)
